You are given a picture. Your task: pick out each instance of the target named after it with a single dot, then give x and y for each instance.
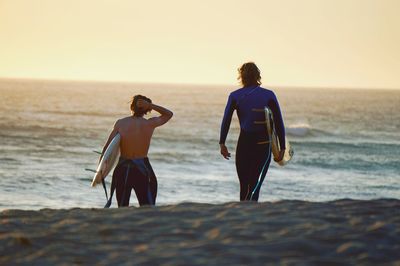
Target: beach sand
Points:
(285, 232)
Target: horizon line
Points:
(316, 87)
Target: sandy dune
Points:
(286, 232)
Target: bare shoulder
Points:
(120, 122)
(150, 120)
(157, 121)
(131, 119)
(124, 119)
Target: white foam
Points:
(298, 130)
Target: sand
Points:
(285, 232)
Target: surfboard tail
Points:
(289, 152)
(97, 179)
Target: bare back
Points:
(136, 133)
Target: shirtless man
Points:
(134, 169)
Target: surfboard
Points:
(108, 161)
(275, 147)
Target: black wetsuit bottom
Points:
(135, 174)
(253, 156)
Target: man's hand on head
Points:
(144, 105)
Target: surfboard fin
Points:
(105, 188)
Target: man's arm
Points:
(226, 122)
(278, 120)
(165, 116)
(279, 126)
(110, 137)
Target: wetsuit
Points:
(253, 151)
(134, 174)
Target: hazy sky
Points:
(334, 43)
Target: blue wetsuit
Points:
(253, 151)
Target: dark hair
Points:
(139, 111)
(249, 74)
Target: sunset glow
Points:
(321, 43)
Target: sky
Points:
(316, 43)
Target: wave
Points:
(83, 113)
(305, 130)
(298, 130)
(342, 144)
(8, 160)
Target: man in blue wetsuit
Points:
(253, 151)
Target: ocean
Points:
(346, 143)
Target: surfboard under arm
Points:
(275, 144)
(108, 160)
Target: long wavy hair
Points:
(249, 74)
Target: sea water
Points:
(346, 143)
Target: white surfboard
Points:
(275, 147)
(108, 161)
